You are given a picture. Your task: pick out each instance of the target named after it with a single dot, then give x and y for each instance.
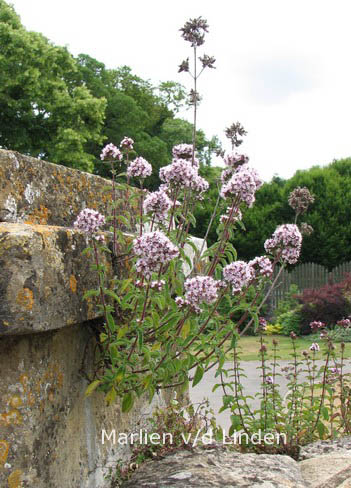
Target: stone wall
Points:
(50, 433)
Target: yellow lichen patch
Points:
(73, 283)
(13, 417)
(4, 451)
(25, 299)
(15, 479)
(15, 401)
(24, 380)
(39, 216)
(30, 399)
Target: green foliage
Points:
(336, 334)
(61, 108)
(273, 329)
(44, 112)
(290, 321)
(289, 302)
(329, 215)
(315, 406)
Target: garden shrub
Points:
(290, 321)
(273, 329)
(289, 302)
(328, 304)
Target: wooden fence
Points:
(306, 275)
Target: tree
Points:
(43, 111)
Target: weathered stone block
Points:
(43, 277)
(37, 192)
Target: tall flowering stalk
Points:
(165, 323)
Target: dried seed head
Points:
(194, 31)
(300, 199)
(306, 229)
(184, 66)
(233, 132)
(207, 61)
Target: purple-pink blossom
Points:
(242, 185)
(199, 185)
(89, 221)
(344, 323)
(285, 243)
(235, 215)
(179, 173)
(127, 143)
(159, 204)
(139, 168)
(261, 266)
(153, 249)
(183, 151)
(234, 160)
(200, 289)
(157, 284)
(238, 274)
(316, 325)
(314, 347)
(110, 151)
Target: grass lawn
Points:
(250, 347)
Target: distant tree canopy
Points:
(329, 215)
(64, 109)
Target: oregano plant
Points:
(164, 324)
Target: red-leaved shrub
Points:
(328, 304)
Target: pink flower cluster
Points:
(236, 215)
(242, 185)
(234, 160)
(316, 325)
(139, 168)
(262, 323)
(127, 143)
(157, 284)
(261, 266)
(159, 204)
(183, 151)
(285, 243)
(111, 152)
(153, 249)
(179, 173)
(89, 221)
(200, 289)
(199, 184)
(238, 274)
(344, 323)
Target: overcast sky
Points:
(283, 66)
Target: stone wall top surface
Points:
(33, 191)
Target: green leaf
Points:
(321, 429)
(186, 329)
(127, 402)
(112, 294)
(92, 387)
(325, 413)
(198, 375)
(125, 285)
(111, 396)
(122, 332)
(91, 293)
(111, 322)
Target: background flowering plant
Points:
(156, 319)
